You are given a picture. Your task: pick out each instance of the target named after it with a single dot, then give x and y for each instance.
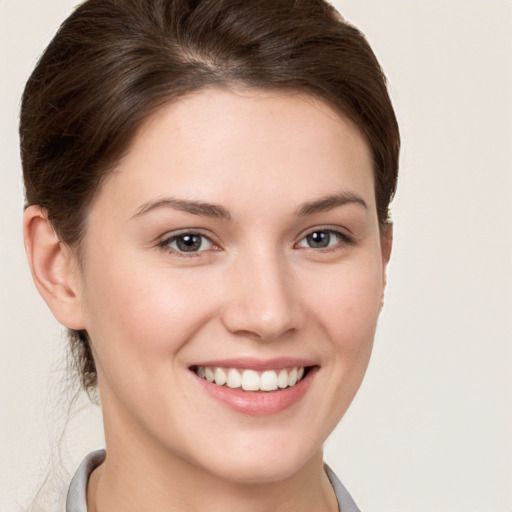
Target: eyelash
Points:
(343, 239)
(165, 244)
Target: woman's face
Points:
(238, 239)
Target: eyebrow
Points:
(194, 207)
(329, 202)
(219, 212)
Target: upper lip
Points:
(277, 363)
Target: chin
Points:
(259, 462)
(259, 472)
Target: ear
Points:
(386, 243)
(54, 268)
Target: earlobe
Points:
(53, 268)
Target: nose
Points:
(262, 302)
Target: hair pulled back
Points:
(114, 62)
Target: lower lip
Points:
(259, 403)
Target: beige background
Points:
(431, 429)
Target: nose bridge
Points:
(262, 303)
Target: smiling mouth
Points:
(252, 380)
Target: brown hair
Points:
(114, 62)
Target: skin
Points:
(256, 288)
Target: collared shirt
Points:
(76, 500)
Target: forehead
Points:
(251, 146)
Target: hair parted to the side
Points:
(114, 62)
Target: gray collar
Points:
(77, 492)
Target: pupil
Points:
(319, 239)
(189, 243)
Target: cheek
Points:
(140, 316)
(348, 305)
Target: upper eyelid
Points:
(343, 232)
(187, 231)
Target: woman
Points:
(207, 190)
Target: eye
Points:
(323, 239)
(187, 243)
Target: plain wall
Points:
(431, 429)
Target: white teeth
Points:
(282, 379)
(220, 376)
(234, 378)
(292, 377)
(251, 380)
(268, 381)
(208, 373)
